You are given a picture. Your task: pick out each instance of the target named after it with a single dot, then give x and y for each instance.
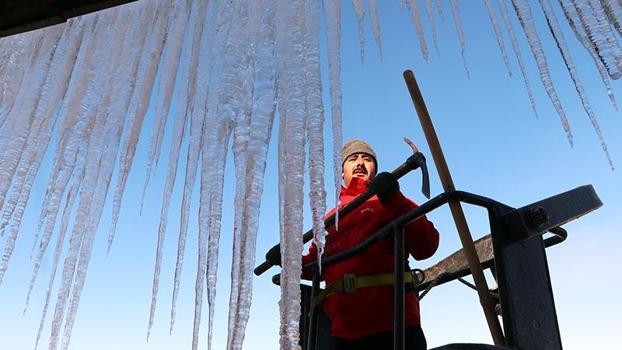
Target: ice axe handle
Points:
(263, 267)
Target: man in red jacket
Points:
(363, 319)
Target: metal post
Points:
(398, 289)
(312, 332)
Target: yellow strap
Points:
(350, 284)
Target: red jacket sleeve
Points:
(420, 235)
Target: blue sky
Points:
(492, 142)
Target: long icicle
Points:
(359, 10)
(495, 25)
(613, 9)
(152, 51)
(178, 136)
(598, 36)
(611, 38)
(332, 14)
(375, 25)
(197, 122)
(558, 35)
(20, 152)
(93, 137)
(289, 40)
(429, 9)
(217, 135)
(458, 23)
(314, 109)
(169, 67)
(519, 56)
(416, 17)
(523, 11)
(575, 24)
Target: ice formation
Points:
(217, 72)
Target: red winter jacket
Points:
(370, 310)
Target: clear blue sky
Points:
(494, 146)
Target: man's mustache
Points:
(360, 169)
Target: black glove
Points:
(385, 185)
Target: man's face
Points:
(359, 165)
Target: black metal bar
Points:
(586, 192)
(312, 332)
(538, 217)
(412, 215)
(526, 295)
(273, 253)
(398, 289)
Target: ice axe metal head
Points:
(417, 160)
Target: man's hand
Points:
(385, 185)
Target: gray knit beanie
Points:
(357, 146)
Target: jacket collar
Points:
(355, 188)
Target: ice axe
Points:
(425, 177)
(415, 161)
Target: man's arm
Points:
(421, 237)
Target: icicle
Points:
(210, 207)
(375, 24)
(497, 29)
(69, 201)
(164, 93)
(523, 11)
(104, 147)
(128, 83)
(261, 125)
(235, 105)
(414, 11)
(45, 115)
(22, 158)
(63, 68)
(457, 22)
(597, 33)
(20, 51)
(519, 57)
(147, 69)
(430, 13)
(613, 9)
(261, 109)
(292, 109)
(21, 120)
(332, 13)
(177, 138)
(575, 23)
(610, 37)
(315, 124)
(212, 178)
(199, 70)
(439, 7)
(70, 131)
(90, 195)
(359, 9)
(558, 35)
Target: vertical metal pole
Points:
(312, 333)
(398, 289)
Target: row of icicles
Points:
(217, 73)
